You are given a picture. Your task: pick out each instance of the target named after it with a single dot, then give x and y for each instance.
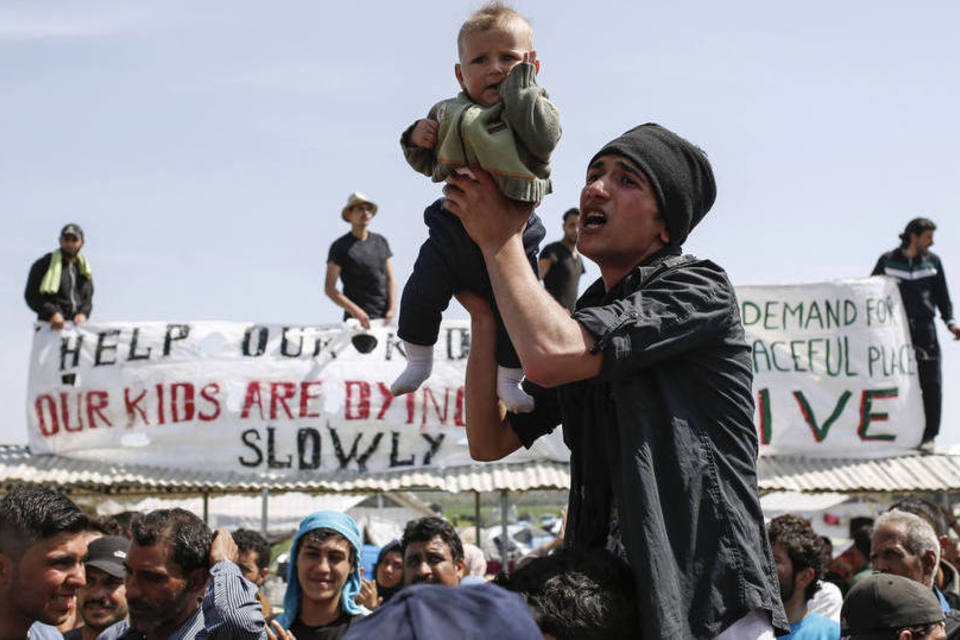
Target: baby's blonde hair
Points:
(494, 15)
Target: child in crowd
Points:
(502, 122)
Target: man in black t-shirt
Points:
(361, 259)
(561, 265)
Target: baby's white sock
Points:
(508, 388)
(419, 366)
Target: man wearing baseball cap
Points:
(361, 259)
(650, 377)
(888, 607)
(60, 285)
(102, 601)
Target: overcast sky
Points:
(208, 147)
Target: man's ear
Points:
(197, 580)
(929, 560)
(664, 234)
(457, 72)
(803, 578)
(460, 566)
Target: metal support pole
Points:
(476, 521)
(264, 501)
(504, 539)
(206, 508)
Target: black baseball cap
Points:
(881, 603)
(108, 554)
(72, 229)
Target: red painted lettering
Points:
(280, 392)
(133, 408)
(46, 408)
(252, 398)
(97, 401)
(306, 397)
(359, 408)
(209, 392)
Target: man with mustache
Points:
(432, 553)
(60, 285)
(182, 582)
(102, 601)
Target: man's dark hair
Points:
(802, 545)
(425, 529)
(248, 540)
(29, 514)
(925, 509)
(189, 536)
(916, 227)
(579, 594)
(570, 212)
(123, 522)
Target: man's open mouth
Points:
(593, 220)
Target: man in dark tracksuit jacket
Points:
(60, 286)
(651, 380)
(923, 288)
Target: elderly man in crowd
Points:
(905, 545)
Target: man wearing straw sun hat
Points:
(361, 259)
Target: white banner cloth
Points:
(248, 397)
(834, 375)
(834, 370)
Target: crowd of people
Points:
(165, 574)
(648, 373)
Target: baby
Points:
(503, 122)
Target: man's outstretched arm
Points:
(553, 347)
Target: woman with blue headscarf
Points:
(323, 578)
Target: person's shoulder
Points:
(342, 243)
(41, 631)
(115, 632)
(686, 269)
(550, 248)
(43, 260)
(819, 622)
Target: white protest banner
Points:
(834, 370)
(248, 397)
(834, 375)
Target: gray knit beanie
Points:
(678, 171)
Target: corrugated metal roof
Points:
(907, 473)
(18, 466)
